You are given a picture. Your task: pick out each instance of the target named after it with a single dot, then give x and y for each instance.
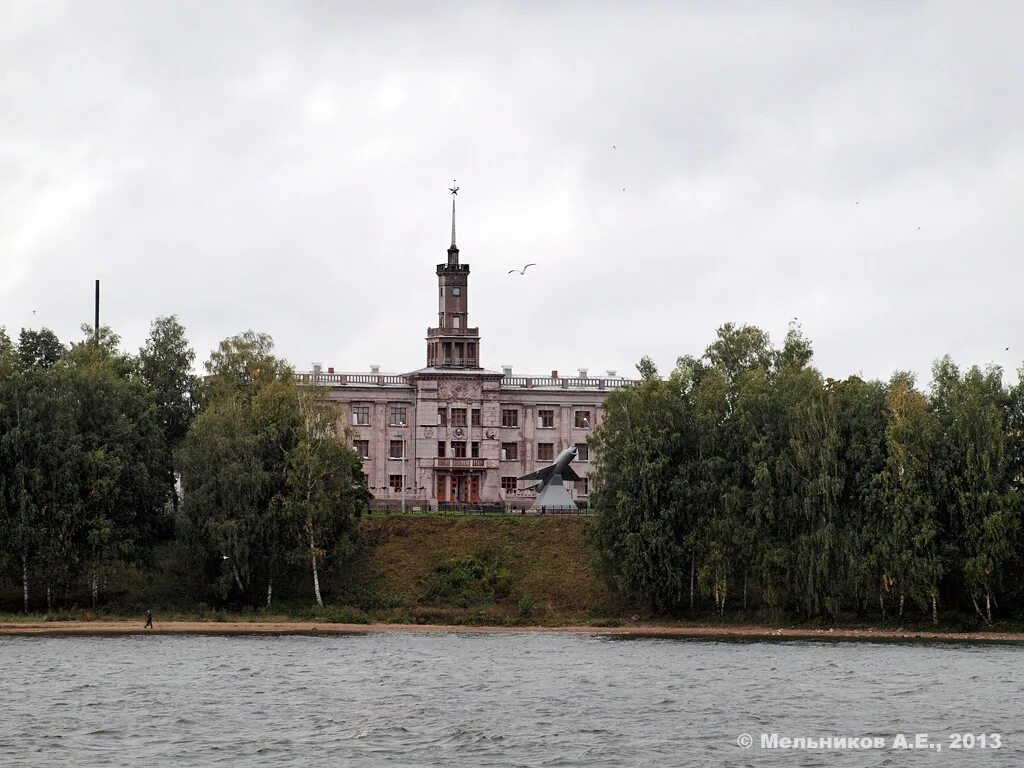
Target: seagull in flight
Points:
(523, 270)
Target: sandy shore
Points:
(633, 630)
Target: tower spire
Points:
(452, 343)
(455, 191)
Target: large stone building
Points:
(455, 432)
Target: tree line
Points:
(747, 480)
(105, 455)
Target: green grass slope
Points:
(474, 569)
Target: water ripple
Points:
(489, 700)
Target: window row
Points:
(459, 449)
(398, 415)
(510, 484)
(458, 417)
(396, 449)
(545, 452)
(546, 418)
(509, 451)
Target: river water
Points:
(497, 699)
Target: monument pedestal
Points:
(554, 496)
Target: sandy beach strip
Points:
(738, 632)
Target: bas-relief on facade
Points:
(466, 432)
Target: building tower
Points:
(452, 344)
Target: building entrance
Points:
(458, 487)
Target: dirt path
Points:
(633, 630)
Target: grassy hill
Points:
(474, 569)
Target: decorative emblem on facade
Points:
(490, 434)
(428, 431)
(459, 431)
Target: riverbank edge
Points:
(653, 631)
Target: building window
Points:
(584, 486)
(474, 450)
(459, 449)
(362, 447)
(456, 322)
(441, 449)
(399, 415)
(509, 417)
(396, 482)
(456, 291)
(475, 414)
(583, 420)
(458, 417)
(582, 452)
(508, 484)
(545, 451)
(510, 451)
(545, 418)
(397, 449)
(361, 415)
(442, 417)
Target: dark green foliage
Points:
(746, 479)
(39, 349)
(81, 487)
(88, 437)
(465, 583)
(270, 484)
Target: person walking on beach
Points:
(149, 620)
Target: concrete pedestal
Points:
(554, 496)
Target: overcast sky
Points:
(669, 167)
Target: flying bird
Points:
(523, 270)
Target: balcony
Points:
(434, 332)
(465, 463)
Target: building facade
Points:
(455, 432)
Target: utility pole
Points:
(96, 327)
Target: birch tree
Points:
(976, 476)
(326, 485)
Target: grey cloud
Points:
(283, 167)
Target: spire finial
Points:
(455, 191)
